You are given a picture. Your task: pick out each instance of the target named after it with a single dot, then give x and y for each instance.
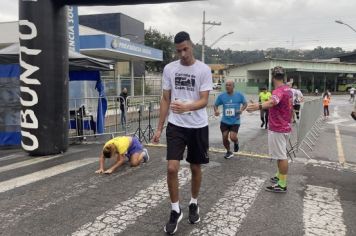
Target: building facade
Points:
(307, 75)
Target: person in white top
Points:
(352, 94)
(298, 98)
(186, 86)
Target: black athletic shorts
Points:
(196, 139)
(296, 107)
(225, 127)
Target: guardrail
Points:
(309, 126)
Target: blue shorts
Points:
(135, 147)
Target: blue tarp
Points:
(12, 72)
(10, 104)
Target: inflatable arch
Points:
(44, 71)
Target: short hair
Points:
(107, 151)
(181, 37)
(278, 72)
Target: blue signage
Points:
(73, 29)
(112, 43)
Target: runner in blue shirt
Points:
(234, 103)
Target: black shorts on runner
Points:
(196, 139)
(225, 127)
(296, 107)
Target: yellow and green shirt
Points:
(264, 96)
(122, 144)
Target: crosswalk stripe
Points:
(115, 221)
(322, 212)
(12, 156)
(226, 216)
(337, 121)
(43, 174)
(27, 163)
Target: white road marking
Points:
(12, 156)
(226, 216)
(338, 121)
(27, 162)
(335, 114)
(327, 164)
(116, 220)
(322, 212)
(43, 174)
(340, 149)
(10, 217)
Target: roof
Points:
(293, 60)
(217, 66)
(77, 61)
(111, 2)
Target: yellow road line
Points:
(340, 150)
(220, 150)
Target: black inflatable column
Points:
(44, 76)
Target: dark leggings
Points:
(264, 116)
(326, 110)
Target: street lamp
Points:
(343, 23)
(220, 38)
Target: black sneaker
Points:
(276, 189)
(274, 180)
(236, 147)
(172, 225)
(194, 213)
(228, 155)
(263, 123)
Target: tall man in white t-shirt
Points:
(186, 86)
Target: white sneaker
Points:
(146, 157)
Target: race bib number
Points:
(230, 112)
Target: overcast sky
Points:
(257, 24)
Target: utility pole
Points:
(212, 23)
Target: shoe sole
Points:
(272, 191)
(175, 230)
(197, 221)
(229, 157)
(148, 156)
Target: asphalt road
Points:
(61, 195)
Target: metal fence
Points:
(309, 126)
(135, 115)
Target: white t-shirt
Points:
(297, 96)
(352, 90)
(185, 83)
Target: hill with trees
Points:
(154, 38)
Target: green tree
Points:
(153, 38)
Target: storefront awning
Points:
(116, 48)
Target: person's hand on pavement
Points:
(100, 171)
(108, 171)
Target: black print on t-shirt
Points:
(184, 81)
